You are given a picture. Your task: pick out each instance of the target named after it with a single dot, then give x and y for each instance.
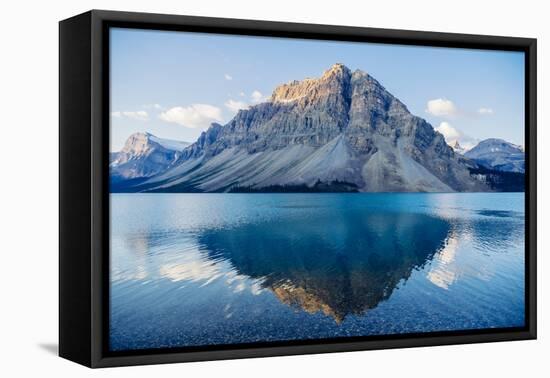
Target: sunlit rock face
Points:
(368, 256)
(309, 113)
(342, 131)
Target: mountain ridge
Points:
(494, 153)
(144, 155)
(343, 127)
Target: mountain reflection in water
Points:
(210, 269)
(336, 266)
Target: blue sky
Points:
(174, 84)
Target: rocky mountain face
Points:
(143, 155)
(341, 132)
(499, 155)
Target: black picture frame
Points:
(83, 181)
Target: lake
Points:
(203, 269)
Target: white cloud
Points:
(441, 107)
(228, 77)
(452, 135)
(257, 96)
(195, 116)
(235, 106)
(449, 132)
(486, 111)
(140, 115)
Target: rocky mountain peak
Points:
(337, 70)
(458, 148)
(144, 155)
(341, 131)
(142, 143)
(137, 144)
(498, 154)
(495, 145)
(333, 81)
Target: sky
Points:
(175, 84)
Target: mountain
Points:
(143, 155)
(342, 131)
(458, 148)
(497, 154)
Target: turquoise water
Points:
(202, 269)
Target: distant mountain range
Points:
(499, 155)
(341, 132)
(143, 155)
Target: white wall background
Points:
(29, 186)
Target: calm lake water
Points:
(200, 269)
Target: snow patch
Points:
(169, 144)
